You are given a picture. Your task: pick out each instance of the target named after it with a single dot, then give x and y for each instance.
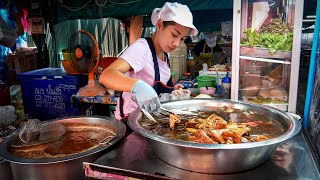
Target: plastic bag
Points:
(180, 94)
(7, 114)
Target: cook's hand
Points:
(180, 91)
(178, 86)
(146, 96)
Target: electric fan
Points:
(84, 58)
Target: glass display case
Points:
(266, 52)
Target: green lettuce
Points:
(271, 41)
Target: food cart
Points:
(133, 156)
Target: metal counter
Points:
(134, 158)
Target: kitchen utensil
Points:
(30, 130)
(178, 111)
(67, 166)
(216, 158)
(148, 115)
(208, 90)
(166, 110)
(35, 133)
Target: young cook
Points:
(142, 71)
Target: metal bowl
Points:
(216, 158)
(67, 167)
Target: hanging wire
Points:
(124, 3)
(8, 6)
(70, 8)
(101, 3)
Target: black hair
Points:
(188, 40)
(168, 23)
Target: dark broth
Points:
(76, 140)
(266, 126)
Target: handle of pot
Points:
(2, 161)
(297, 122)
(108, 141)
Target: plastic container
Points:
(209, 90)
(48, 93)
(226, 87)
(68, 67)
(206, 81)
(173, 74)
(219, 89)
(190, 63)
(66, 55)
(185, 80)
(205, 67)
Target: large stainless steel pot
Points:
(64, 168)
(216, 158)
(5, 169)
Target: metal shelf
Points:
(265, 60)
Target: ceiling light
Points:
(308, 20)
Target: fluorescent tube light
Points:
(308, 20)
(311, 16)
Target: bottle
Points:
(218, 83)
(204, 67)
(226, 87)
(228, 62)
(190, 63)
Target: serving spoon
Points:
(178, 111)
(149, 116)
(167, 110)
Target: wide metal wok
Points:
(67, 167)
(216, 158)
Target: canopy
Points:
(207, 13)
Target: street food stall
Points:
(250, 135)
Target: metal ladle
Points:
(30, 130)
(34, 132)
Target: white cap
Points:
(176, 12)
(211, 39)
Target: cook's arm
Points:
(113, 77)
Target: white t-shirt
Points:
(139, 57)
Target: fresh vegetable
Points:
(272, 41)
